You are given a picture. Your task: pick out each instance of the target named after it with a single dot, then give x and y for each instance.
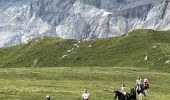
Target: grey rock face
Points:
(22, 20)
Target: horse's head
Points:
(133, 91)
(118, 94)
(133, 94)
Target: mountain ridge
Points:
(79, 19)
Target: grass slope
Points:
(68, 83)
(125, 51)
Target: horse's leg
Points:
(140, 96)
(144, 93)
(119, 98)
(135, 98)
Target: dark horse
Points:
(133, 94)
(146, 86)
(140, 89)
(121, 96)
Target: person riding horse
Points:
(140, 89)
(146, 83)
(85, 95)
(138, 81)
(123, 89)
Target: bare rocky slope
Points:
(22, 20)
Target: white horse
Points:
(140, 90)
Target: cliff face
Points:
(22, 20)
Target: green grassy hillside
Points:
(99, 65)
(125, 51)
(68, 83)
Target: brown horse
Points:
(146, 86)
(133, 94)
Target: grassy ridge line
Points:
(68, 83)
(125, 51)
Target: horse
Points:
(133, 94)
(140, 89)
(121, 96)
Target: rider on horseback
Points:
(85, 95)
(140, 87)
(138, 81)
(146, 81)
(139, 84)
(123, 89)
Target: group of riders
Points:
(139, 85)
(140, 88)
(122, 94)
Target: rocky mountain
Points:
(23, 20)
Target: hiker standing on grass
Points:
(85, 95)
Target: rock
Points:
(90, 46)
(167, 62)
